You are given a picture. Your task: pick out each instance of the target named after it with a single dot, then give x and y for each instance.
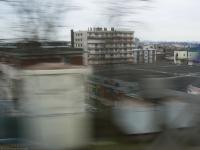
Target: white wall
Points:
(180, 55)
(55, 101)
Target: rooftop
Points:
(39, 51)
(179, 75)
(103, 29)
(52, 66)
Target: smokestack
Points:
(72, 38)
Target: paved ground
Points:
(179, 75)
(169, 69)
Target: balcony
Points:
(110, 37)
(111, 52)
(109, 57)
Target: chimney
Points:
(72, 38)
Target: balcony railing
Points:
(109, 57)
(110, 37)
(110, 52)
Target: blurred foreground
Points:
(65, 106)
(50, 99)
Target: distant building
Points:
(51, 44)
(30, 54)
(142, 56)
(25, 54)
(181, 57)
(136, 42)
(45, 44)
(193, 56)
(148, 46)
(190, 56)
(104, 46)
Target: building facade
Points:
(104, 46)
(144, 56)
(181, 57)
(40, 84)
(193, 57)
(189, 57)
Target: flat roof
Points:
(52, 66)
(131, 73)
(165, 69)
(179, 76)
(23, 53)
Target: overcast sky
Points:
(158, 20)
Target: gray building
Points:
(144, 56)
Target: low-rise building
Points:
(190, 57)
(144, 56)
(181, 57)
(193, 56)
(25, 54)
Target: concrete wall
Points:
(180, 56)
(54, 102)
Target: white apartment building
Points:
(105, 46)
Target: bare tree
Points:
(39, 19)
(122, 13)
